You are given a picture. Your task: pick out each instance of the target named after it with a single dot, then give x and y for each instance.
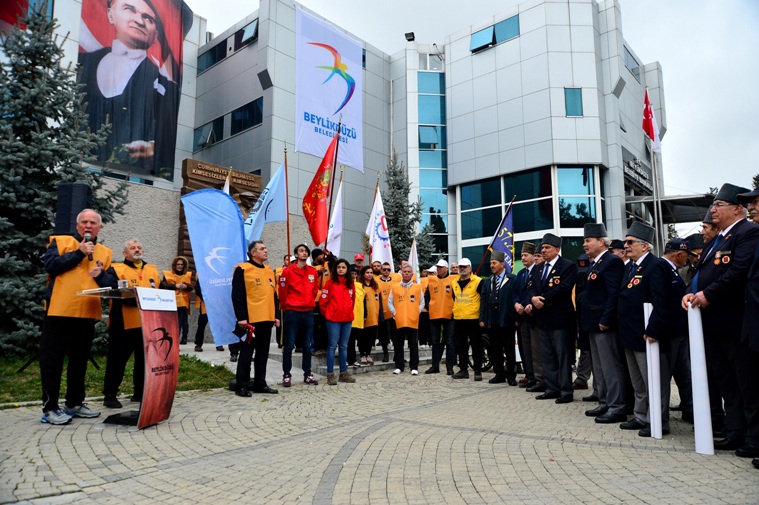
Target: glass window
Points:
(363, 58)
(575, 181)
(632, 64)
(439, 222)
(209, 134)
(437, 199)
(248, 116)
(431, 109)
(528, 185)
(37, 4)
(571, 247)
(573, 101)
(422, 61)
(246, 35)
(533, 216)
(212, 56)
(575, 212)
(433, 159)
(482, 39)
(481, 194)
(432, 137)
(441, 243)
(435, 62)
(507, 29)
(474, 254)
(431, 82)
(433, 178)
(480, 223)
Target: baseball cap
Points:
(464, 262)
(442, 263)
(358, 257)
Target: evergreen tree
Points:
(42, 144)
(425, 247)
(402, 216)
(755, 181)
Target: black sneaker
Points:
(233, 358)
(461, 374)
(112, 402)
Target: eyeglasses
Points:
(723, 204)
(630, 242)
(385, 269)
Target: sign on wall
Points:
(328, 87)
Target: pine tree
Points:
(755, 181)
(42, 144)
(403, 217)
(425, 246)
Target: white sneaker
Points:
(81, 410)
(56, 416)
(397, 371)
(414, 372)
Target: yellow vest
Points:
(358, 306)
(63, 301)
(372, 306)
(424, 282)
(183, 296)
(384, 288)
(467, 303)
(406, 303)
(260, 289)
(137, 278)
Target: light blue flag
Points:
(218, 246)
(271, 206)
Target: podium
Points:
(160, 339)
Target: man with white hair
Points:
(467, 291)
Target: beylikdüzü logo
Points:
(214, 255)
(338, 68)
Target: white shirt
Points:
(117, 67)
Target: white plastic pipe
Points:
(702, 414)
(654, 379)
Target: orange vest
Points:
(260, 289)
(372, 306)
(441, 301)
(424, 282)
(183, 296)
(137, 277)
(406, 303)
(199, 302)
(384, 288)
(63, 301)
(358, 306)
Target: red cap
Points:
(358, 257)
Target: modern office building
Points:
(540, 103)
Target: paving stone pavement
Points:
(386, 439)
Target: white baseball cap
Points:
(442, 263)
(464, 262)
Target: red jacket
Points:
(336, 301)
(298, 288)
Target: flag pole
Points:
(367, 246)
(332, 178)
(287, 202)
(326, 241)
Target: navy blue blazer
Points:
(652, 283)
(505, 299)
(598, 300)
(558, 312)
(750, 334)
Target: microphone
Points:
(152, 283)
(88, 238)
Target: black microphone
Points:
(152, 283)
(88, 238)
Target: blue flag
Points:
(218, 246)
(503, 240)
(271, 207)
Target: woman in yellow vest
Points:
(179, 278)
(373, 300)
(359, 316)
(406, 302)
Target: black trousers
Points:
(366, 338)
(386, 333)
(502, 344)
(184, 322)
(320, 332)
(401, 335)
(425, 337)
(200, 334)
(61, 337)
(261, 347)
(442, 338)
(467, 332)
(121, 345)
(352, 339)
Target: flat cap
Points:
(642, 231)
(594, 230)
(551, 239)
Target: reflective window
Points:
(246, 35)
(573, 101)
(432, 137)
(441, 243)
(532, 216)
(439, 222)
(438, 199)
(474, 254)
(422, 61)
(212, 56)
(507, 29)
(632, 64)
(480, 223)
(571, 247)
(481, 194)
(435, 62)
(209, 134)
(433, 178)
(528, 185)
(248, 116)
(575, 181)
(37, 4)
(431, 82)
(575, 212)
(482, 39)
(431, 109)
(433, 159)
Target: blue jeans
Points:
(298, 322)
(337, 336)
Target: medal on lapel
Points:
(717, 258)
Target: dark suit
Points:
(598, 306)
(499, 317)
(526, 327)
(722, 274)
(557, 322)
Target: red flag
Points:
(649, 124)
(11, 11)
(315, 200)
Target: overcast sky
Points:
(708, 51)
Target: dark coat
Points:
(723, 273)
(506, 317)
(750, 335)
(598, 301)
(652, 283)
(558, 312)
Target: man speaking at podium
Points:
(73, 263)
(125, 330)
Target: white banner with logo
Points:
(328, 85)
(156, 299)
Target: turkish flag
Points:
(649, 124)
(11, 11)
(315, 208)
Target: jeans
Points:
(337, 336)
(295, 323)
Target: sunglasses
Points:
(630, 242)
(385, 269)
